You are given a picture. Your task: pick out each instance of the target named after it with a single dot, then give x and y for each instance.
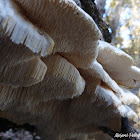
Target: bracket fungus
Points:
(17, 34)
(123, 72)
(73, 30)
(57, 75)
(24, 74)
(21, 31)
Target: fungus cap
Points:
(118, 65)
(72, 29)
(96, 71)
(61, 81)
(21, 31)
(24, 74)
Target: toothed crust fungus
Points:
(57, 75)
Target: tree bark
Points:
(90, 7)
